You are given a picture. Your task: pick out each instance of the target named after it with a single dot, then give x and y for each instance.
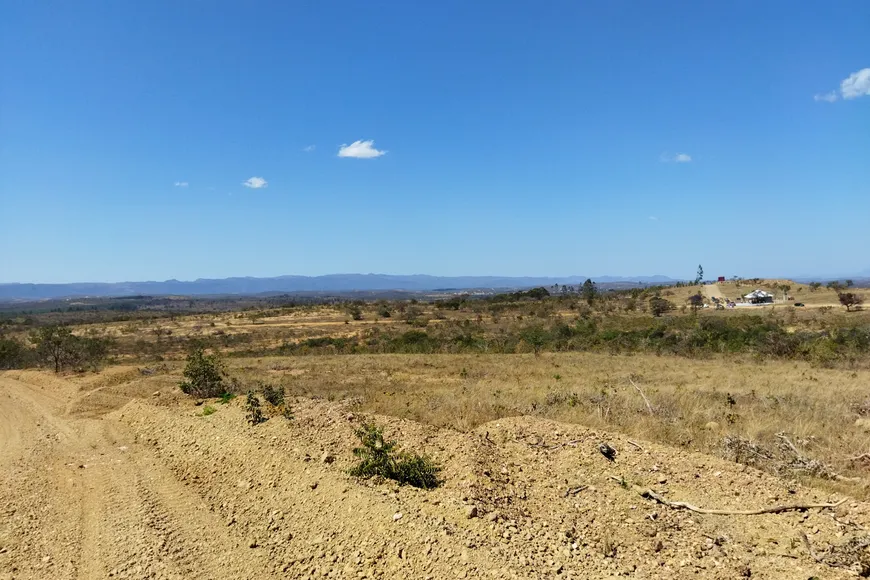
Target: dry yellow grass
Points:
(696, 403)
(818, 407)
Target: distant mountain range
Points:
(280, 284)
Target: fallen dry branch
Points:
(630, 442)
(650, 494)
(812, 466)
(809, 548)
(572, 443)
(860, 457)
(645, 400)
(571, 491)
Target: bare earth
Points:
(100, 478)
(713, 291)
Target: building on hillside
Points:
(759, 297)
(721, 279)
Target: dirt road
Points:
(96, 485)
(713, 291)
(83, 500)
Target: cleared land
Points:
(153, 489)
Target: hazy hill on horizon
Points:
(327, 283)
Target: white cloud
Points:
(360, 150)
(256, 183)
(678, 158)
(857, 85)
(827, 97)
(181, 184)
(309, 148)
(653, 218)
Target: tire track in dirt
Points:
(84, 501)
(163, 492)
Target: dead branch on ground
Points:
(630, 442)
(572, 491)
(650, 494)
(645, 400)
(813, 466)
(809, 548)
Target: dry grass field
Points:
(511, 395)
(697, 405)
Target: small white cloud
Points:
(360, 150)
(857, 85)
(256, 183)
(181, 184)
(678, 158)
(827, 97)
(653, 218)
(309, 148)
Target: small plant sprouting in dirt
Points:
(557, 376)
(380, 458)
(274, 395)
(226, 398)
(463, 373)
(208, 410)
(276, 398)
(252, 406)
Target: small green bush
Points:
(380, 458)
(204, 374)
(14, 354)
(254, 412)
(274, 395)
(208, 410)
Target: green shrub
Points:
(274, 395)
(254, 412)
(13, 354)
(380, 458)
(208, 410)
(204, 374)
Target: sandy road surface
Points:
(80, 499)
(93, 486)
(713, 291)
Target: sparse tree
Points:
(814, 286)
(659, 306)
(696, 301)
(850, 300)
(588, 291)
(54, 344)
(536, 337)
(700, 276)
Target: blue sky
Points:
(186, 139)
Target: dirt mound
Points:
(157, 490)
